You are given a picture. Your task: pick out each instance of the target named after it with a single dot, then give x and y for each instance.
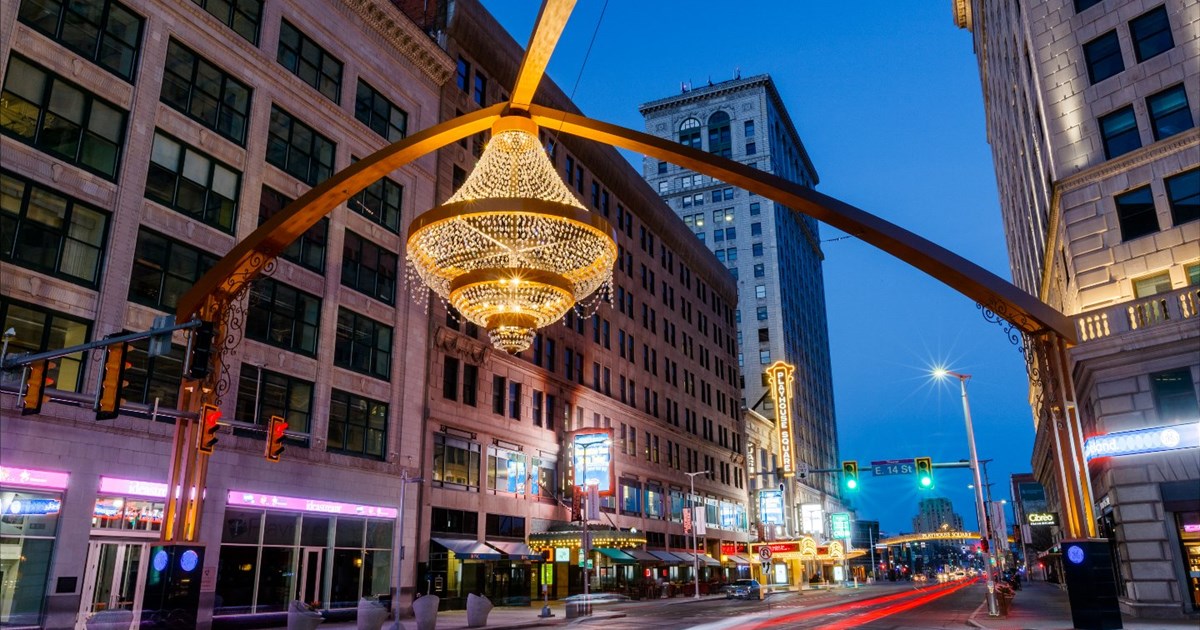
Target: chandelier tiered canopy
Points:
(512, 250)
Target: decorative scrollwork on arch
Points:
(229, 315)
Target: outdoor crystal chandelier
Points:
(512, 250)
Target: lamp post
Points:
(980, 514)
(692, 507)
(404, 481)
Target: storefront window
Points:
(676, 505)
(547, 477)
(630, 497)
(28, 524)
(654, 502)
(711, 512)
(455, 462)
(506, 470)
(124, 513)
(1189, 535)
(270, 558)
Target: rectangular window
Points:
(1169, 113)
(184, 179)
(507, 471)
(1081, 5)
(662, 168)
(374, 110)
(462, 74)
(539, 400)
(756, 249)
(450, 378)
(369, 268)
(514, 400)
(39, 330)
(49, 232)
(205, 93)
(503, 526)
(105, 32)
(305, 59)
(760, 270)
(363, 345)
(499, 391)
(380, 203)
(263, 393)
(308, 251)
(243, 16)
(164, 269)
(1152, 285)
(1151, 33)
(1183, 194)
(357, 425)
(1136, 214)
(153, 378)
(748, 128)
(470, 384)
(283, 316)
(1103, 57)
(1120, 132)
(761, 313)
(755, 209)
(760, 291)
(1174, 395)
(298, 150)
(751, 148)
(47, 112)
(455, 463)
(480, 93)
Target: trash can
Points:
(302, 617)
(371, 614)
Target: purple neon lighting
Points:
(275, 502)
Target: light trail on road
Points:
(905, 601)
(880, 613)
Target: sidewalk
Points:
(498, 619)
(1042, 606)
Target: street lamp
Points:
(980, 514)
(692, 507)
(404, 481)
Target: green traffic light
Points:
(852, 484)
(926, 482)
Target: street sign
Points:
(893, 467)
(764, 552)
(839, 524)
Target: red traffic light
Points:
(210, 418)
(276, 430)
(35, 386)
(108, 399)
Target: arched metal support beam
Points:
(551, 20)
(238, 267)
(1024, 311)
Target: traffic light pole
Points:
(21, 360)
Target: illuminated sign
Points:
(273, 502)
(562, 554)
(32, 507)
(1038, 519)
(780, 374)
(132, 487)
(591, 458)
(812, 518)
(1149, 440)
(770, 506)
(750, 462)
(839, 524)
(33, 478)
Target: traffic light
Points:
(200, 358)
(35, 386)
(275, 430)
(210, 418)
(925, 472)
(850, 474)
(983, 545)
(112, 381)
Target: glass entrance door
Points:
(311, 572)
(114, 580)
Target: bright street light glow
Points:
(852, 484)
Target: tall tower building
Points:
(773, 253)
(936, 514)
(1091, 112)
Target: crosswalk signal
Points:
(850, 474)
(112, 381)
(200, 354)
(924, 467)
(210, 419)
(276, 429)
(36, 383)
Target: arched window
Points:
(720, 139)
(689, 133)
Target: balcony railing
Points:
(1156, 310)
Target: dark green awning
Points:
(616, 555)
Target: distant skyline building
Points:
(936, 514)
(772, 252)
(1091, 111)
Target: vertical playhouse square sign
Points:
(780, 375)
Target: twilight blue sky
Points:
(886, 97)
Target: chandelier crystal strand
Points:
(512, 249)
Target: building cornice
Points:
(408, 39)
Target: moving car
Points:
(744, 589)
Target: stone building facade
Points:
(1091, 113)
(772, 252)
(936, 514)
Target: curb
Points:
(971, 620)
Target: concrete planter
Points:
(425, 611)
(302, 617)
(478, 608)
(371, 614)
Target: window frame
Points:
(268, 317)
(348, 400)
(314, 241)
(1156, 117)
(1123, 114)
(379, 351)
(1144, 38)
(14, 224)
(103, 37)
(20, 343)
(166, 269)
(352, 275)
(293, 410)
(222, 217)
(366, 113)
(1103, 58)
(317, 170)
(237, 8)
(372, 204)
(1138, 216)
(1181, 213)
(321, 79)
(223, 106)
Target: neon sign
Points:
(273, 502)
(1139, 441)
(33, 478)
(133, 487)
(780, 374)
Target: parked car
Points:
(744, 589)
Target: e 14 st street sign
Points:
(893, 467)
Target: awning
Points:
(616, 555)
(685, 556)
(709, 560)
(469, 549)
(516, 550)
(643, 556)
(739, 559)
(666, 556)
